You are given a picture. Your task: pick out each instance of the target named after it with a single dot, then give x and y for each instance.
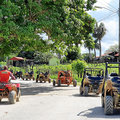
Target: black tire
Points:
(49, 80)
(102, 101)
(12, 97)
(74, 83)
(80, 90)
(59, 83)
(108, 107)
(40, 81)
(85, 91)
(18, 96)
(68, 85)
(54, 83)
(36, 80)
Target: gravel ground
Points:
(42, 101)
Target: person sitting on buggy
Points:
(5, 74)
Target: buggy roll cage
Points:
(91, 69)
(107, 66)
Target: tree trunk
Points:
(81, 75)
(78, 75)
(100, 47)
(89, 55)
(95, 52)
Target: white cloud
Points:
(106, 45)
(112, 27)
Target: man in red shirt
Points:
(5, 75)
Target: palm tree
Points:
(99, 33)
(89, 44)
(97, 47)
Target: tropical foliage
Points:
(90, 45)
(78, 66)
(86, 56)
(65, 22)
(73, 54)
(99, 33)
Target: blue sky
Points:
(110, 19)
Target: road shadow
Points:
(91, 95)
(98, 112)
(5, 103)
(29, 90)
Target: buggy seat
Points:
(95, 78)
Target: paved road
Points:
(41, 101)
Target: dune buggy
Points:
(29, 76)
(43, 77)
(92, 81)
(110, 97)
(65, 77)
(10, 91)
(18, 74)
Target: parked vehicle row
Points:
(95, 81)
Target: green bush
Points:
(78, 66)
(2, 63)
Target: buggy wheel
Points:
(74, 83)
(108, 108)
(102, 101)
(80, 90)
(36, 80)
(18, 96)
(0, 99)
(68, 84)
(49, 80)
(22, 78)
(44, 81)
(54, 83)
(12, 97)
(40, 81)
(59, 83)
(86, 91)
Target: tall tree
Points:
(73, 54)
(64, 21)
(97, 47)
(89, 44)
(99, 33)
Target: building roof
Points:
(117, 54)
(16, 58)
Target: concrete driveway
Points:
(42, 101)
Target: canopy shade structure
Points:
(16, 58)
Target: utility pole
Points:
(119, 38)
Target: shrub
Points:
(78, 66)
